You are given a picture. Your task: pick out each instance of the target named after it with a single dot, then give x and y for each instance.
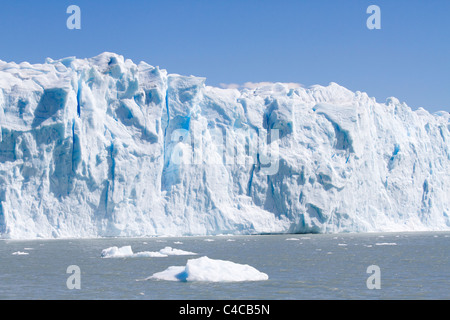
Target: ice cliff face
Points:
(104, 147)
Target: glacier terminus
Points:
(104, 147)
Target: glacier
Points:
(104, 147)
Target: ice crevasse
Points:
(104, 147)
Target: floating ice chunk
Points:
(127, 252)
(20, 253)
(115, 252)
(292, 239)
(210, 270)
(148, 254)
(175, 252)
(386, 244)
(170, 274)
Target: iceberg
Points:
(104, 147)
(127, 252)
(115, 252)
(210, 270)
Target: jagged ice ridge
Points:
(104, 147)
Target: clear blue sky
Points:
(238, 41)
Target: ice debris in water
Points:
(127, 252)
(20, 253)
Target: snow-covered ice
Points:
(210, 270)
(104, 147)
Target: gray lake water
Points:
(316, 266)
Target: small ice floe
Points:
(116, 252)
(19, 253)
(342, 244)
(178, 242)
(208, 240)
(127, 252)
(386, 244)
(148, 254)
(292, 239)
(230, 240)
(175, 252)
(368, 245)
(210, 270)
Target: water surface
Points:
(316, 266)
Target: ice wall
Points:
(104, 147)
